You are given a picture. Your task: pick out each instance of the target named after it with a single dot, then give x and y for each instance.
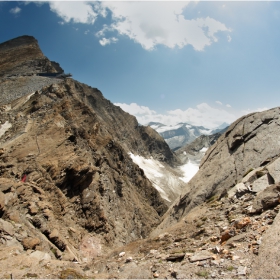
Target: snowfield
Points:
(168, 183)
(189, 170)
(153, 170)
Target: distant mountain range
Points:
(179, 135)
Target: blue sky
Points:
(200, 62)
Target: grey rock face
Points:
(274, 170)
(267, 198)
(260, 184)
(267, 263)
(248, 143)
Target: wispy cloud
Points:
(248, 111)
(76, 11)
(219, 102)
(202, 114)
(105, 41)
(15, 10)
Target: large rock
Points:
(30, 242)
(6, 228)
(266, 199)
(267, 263)
(260, 184)
(40, 256)
(274, 170)
(246, 145)
(73, 144)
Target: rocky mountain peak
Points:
(23, 56)
(67, 179)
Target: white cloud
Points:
(86, 32)
(162, 23)
(103, 30)
(105, 41)
(219, 102)
(229, 38)
(202, 114)
(228, 106)
(76, 11)
(248, 111)
(149, 23)
(135, 109)
(15, 10)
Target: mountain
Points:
(69, 188)
(87, 193)
(181, 134)
(241, 150)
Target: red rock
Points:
(242, 223)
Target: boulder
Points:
(201, 256)
(238, 189)
(30, 242)
(266, 199)
(56, 238)
(242, 223)
(251, 176)
(5, 184)
(40, 256)
(267, 263)
(260, 184)
(6, 228)
(133, 271)
(274, 170)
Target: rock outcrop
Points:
(242, 148)
(69, 189)
(195, 150)
(23, 56)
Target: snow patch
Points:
(4, 128)
(189, 170)
(152, 169)
(205, 132)
(168, 127)
(192, 132)
(203, 150)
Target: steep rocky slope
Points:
(195, 150)
(223, 227)
(22, 56)
(68, 188)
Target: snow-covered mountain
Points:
(181, 134)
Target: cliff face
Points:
(23, 56)
(250, 142)
(68, 181)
